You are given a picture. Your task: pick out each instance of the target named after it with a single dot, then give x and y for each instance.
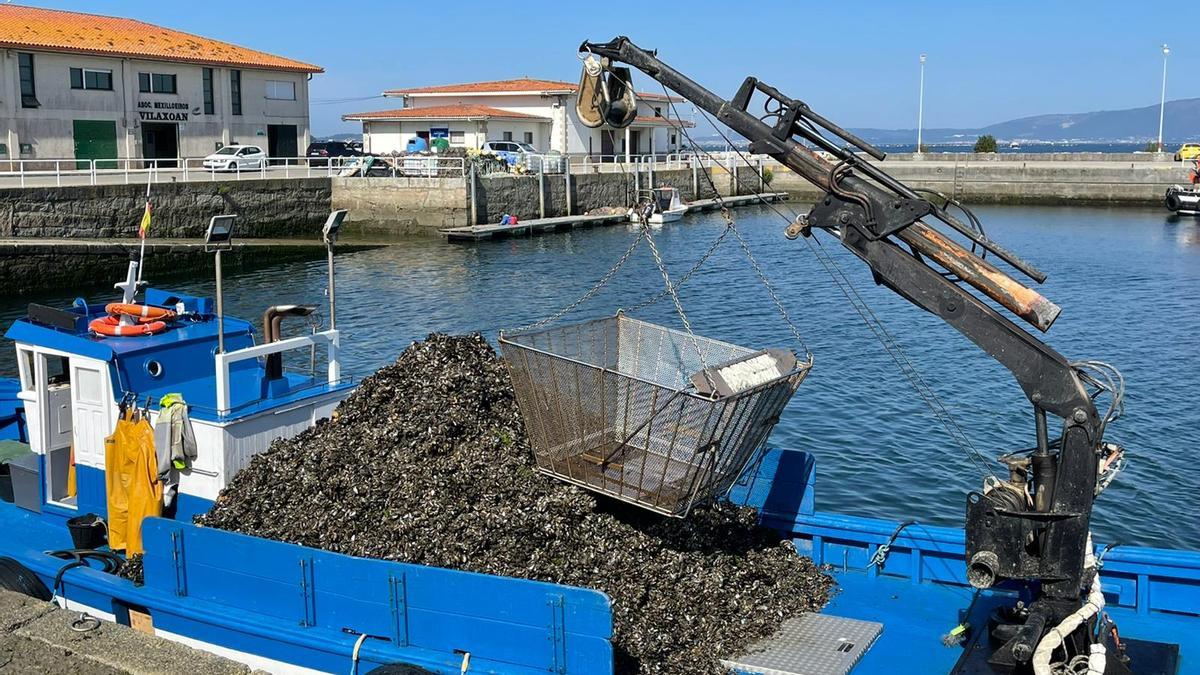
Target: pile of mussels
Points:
(428, 462)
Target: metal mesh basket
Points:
(608, 405)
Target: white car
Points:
(509, 151)
(236, 158)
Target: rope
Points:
(881, 553)
(873, 322)
(362, 637)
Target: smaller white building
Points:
(538, 112)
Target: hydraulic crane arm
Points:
(881, 221)
(874, 217)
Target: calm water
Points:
(1128, 281)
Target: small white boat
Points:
(1183, 199)
(658, 206)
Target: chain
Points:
(687, 275)
(592, 291)
(687, 325)
(762, 276)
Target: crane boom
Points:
(885, 224)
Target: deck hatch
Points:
(813, 644)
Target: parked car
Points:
(236, 158)
(1187, 151)
(323, 149)
(509, 151)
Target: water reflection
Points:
(1126, 281)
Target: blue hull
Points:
(286, 604)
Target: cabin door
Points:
(92, 423)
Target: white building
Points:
(84, 86)
(538, 112)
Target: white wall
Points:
(49, 128)
(392, 136)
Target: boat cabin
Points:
(71, 382)
(76, 375)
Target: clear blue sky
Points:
(856, 62)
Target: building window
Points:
(458, 138)
(658, 112)
(84, 78)
(507, 136)
(281, 91)
(529, 137)
(28, 91)
(156, 83)
(673, 141)
(235, 91)
(210, 106)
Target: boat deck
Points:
(540, 225)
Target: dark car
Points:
(324, 149)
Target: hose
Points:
(1057, 635)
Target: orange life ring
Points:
(142, 313)
(111, 326)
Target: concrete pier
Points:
(43, 264)
(996, 179)
(541, 225)
(36, 637)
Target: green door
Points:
(95, 139)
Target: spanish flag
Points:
(145, 222)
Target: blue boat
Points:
(903, 603)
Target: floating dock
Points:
(540, 225)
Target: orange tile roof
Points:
(520, 84)
(57, 30)
(443, 112)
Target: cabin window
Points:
(28, 88)
(25, 366)
(88, 386)
(154, 368)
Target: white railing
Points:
(329, 338)
(58, 172)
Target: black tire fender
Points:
(1173, 202)
(16, 577)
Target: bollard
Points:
(695, 179)
(472, 217)
(567, 194)
(542, 194)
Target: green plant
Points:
(767, 176)
(986, 143)
(1151, 146)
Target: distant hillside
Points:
(339, 137)
(1181, 122)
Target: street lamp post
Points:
(921, 105)
(1162, 106)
